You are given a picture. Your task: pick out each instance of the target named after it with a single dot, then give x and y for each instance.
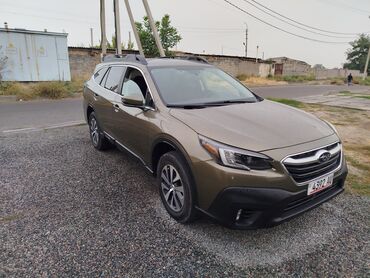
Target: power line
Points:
(294, 25)
(281, 29)
(302, 24)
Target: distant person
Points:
(349, 79)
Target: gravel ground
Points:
(69, 210)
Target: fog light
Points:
(238, 215)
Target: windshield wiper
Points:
(229, 102)
(187, 106)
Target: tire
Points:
(98, 140)
(176, 189)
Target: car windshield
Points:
(186, 86)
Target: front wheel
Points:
(176, 187)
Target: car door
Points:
(110, 87)
(93, 91)
(132, 124)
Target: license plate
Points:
(320, 184)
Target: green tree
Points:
(112, 44)
(168, 36)
(357, 55)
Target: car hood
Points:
(257, 126)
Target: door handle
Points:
(116, 107)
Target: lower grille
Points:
(306, 199)
(312, 164)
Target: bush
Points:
(52, 90)
(242, 77)
(11, 88)
(365, 82)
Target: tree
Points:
(319, 67)
(167, 34)
(357, 55)
(112, 44)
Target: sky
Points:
(210, 26)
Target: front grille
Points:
(307, 166)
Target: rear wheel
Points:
(176, 187)
(98, 139)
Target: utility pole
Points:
(103, 36)
(133, 25)
(246, 40)
(91, 37)
(257, 54)
(117, 27)
(154, 28)
(366, 64)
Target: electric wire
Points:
(281, 29)
(294, 25)
(302, 24)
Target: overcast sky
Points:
(209, 26)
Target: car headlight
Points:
(234, 157)
(332, 126)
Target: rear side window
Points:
(98, 76)
(114, 78)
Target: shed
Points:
(27, 55)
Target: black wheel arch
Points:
(164, 144)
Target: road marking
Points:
(53, 126)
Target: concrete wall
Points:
(83, 61)
(335, 73)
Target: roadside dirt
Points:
(354, 129)
(259, 81)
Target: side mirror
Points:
(132, 95)
(133, 100)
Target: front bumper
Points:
(251, 208)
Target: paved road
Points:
(296, 91)
(39, 114)
(36, 114)
(73, 211)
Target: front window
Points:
(181, 86)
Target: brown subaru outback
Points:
(214, 146)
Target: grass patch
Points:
(53, 90)
(290, 102)
(293, 78)
(337, 81)
(364, 82)
(32, 90)
(345, 93)
(364, 97)
(242, 77)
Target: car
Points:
(215, 147)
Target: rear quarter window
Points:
(99, 75)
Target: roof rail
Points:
(135, 58)
(188, 58)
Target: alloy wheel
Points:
(94, 130)
(172, 188)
